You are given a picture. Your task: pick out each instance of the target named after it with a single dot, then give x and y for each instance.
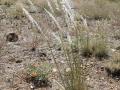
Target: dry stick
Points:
(38, 27)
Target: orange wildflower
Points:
(34, 74)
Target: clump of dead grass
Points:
(99, 9)
(87, 49)
(15, 12)
(113, 66)
(117, 35)
(75, 78)
(94, 44)
(101, 50)
(8, 3)
(97, 48)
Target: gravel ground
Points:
(15, 56)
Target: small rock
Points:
(19, 61)
(12, 37)
(42, 54)
(54, 70)
(118, 48)
(113, 50)
(68, 69)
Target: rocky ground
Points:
(16, 56)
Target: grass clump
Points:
(114, 0)
(99, 9)
(8, 3)
(117, 35)
(87, 49)
(95, 9)
(101, 50)
(74, 75)
(38, 74)
(75, 78)
(97, 48)
(16, 12)
(113, 66)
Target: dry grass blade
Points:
(33, 6)
(34, 22)
(56, 22)
(60, 28)
(67, 6)
(58, 84)
(56, 4)
(31, 19)
(56, 37)
(50, 6)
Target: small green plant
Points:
(38, 74)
